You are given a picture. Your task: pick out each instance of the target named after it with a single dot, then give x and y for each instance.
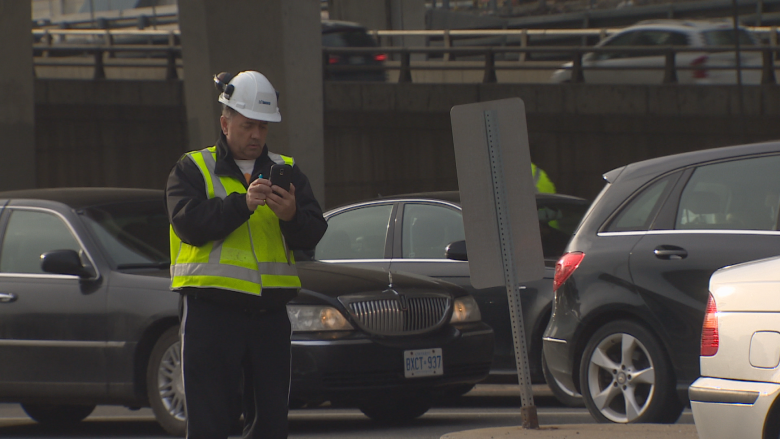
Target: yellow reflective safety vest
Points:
(252, 257)
(542, 181)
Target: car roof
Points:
(79, 197)
(335, 25)
(682, 160)
(454, 196)
(684, 25)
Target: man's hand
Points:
(280, 201)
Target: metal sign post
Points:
(499, 213)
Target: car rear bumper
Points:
(556, 354)
(726, 409)
(357, 367)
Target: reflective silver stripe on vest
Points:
(276, 158)
(233, 272)
(211, 164)
(216, 251)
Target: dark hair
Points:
(228, 112)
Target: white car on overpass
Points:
(737, 393)
(646, 66)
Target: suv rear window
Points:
(726, 38)
(348, 38)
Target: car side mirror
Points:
(456, 251)
(65, 262)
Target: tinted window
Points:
(726, 38)
(735, 195)
(640, 211)
(30, 234)
(557, 222)
(348, 38)
(356, 234)
(428, 229)
(132, 234)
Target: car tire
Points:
(55, 414)
(626, 377)
(396, 410)
(164, 383)
(563, 395)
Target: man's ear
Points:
(223, 122)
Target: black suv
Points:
(632, 287)
(353, 66)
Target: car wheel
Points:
(55, 414)
(563, 395)
(625, 376)
(396, 410)
(164, 383)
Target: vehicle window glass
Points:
(624, 39)
(725, 37)
(640, 211)
(134, 235)
(428, 229)
(30, 234)
(734, 195)
(674, 39)
(557, 222)
(348, 38)
(356, 234)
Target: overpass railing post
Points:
(100, 72)
(670, 72)
(576, 69)
(768, 67)
(405, 75)
(170, 72)
(490, 68)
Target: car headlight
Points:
(465, 310)
(312, 318)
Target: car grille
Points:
(398, 314)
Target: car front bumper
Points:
(353, 366)
(727, 409)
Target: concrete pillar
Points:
(17, 108)
(282, 39)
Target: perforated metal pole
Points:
(528, 409)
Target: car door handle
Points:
(7, 297)
(670, 252)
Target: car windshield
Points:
(725, 37)
(133, 234)
(347, 38)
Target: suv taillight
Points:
(380, 57)
(710, 340)
(565, 267)
(699, 70)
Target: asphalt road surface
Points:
(486, 407)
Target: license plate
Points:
(423, 362)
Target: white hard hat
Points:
(251, 94)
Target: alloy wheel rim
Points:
(170, 383)
(621, 378)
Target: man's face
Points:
(245, 137)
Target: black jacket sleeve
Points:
(308, 226)
(195, 218)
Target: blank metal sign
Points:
(497, 126)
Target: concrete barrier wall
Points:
(394, 138)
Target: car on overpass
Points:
(87, 317)
(637, 55)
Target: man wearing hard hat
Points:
(232, 236)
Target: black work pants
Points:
(218, 340)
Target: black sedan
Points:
(87, 318)
(412, 232)
(632, 287)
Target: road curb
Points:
(584, 431)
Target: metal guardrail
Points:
(105, 49)
(490, 67)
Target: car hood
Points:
(333, 280)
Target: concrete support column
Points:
(282, 39)
(17, 108)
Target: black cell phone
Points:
(281, 175)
